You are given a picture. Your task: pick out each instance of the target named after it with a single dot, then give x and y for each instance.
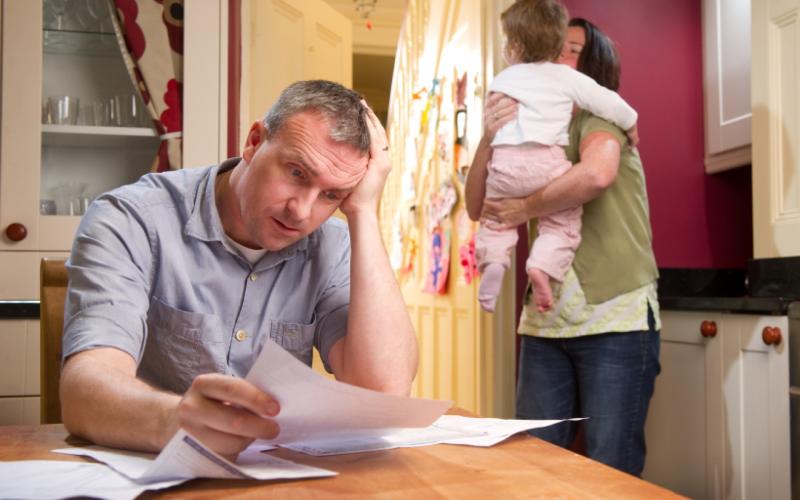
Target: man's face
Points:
(294, 181)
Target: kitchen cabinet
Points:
(726, 78)
(19, 372)
(718, 425)
(776, 128)
(51, 166)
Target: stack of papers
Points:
(318, 416)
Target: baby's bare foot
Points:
(542, 293)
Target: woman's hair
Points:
(536, 29)
(598, 58)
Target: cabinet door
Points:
(726, 73)
(19, 372)
(20, 116)
(290, 41)
(776, 128)
(756, 392)
(684, 448)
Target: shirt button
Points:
(240, 335)
(253, 277)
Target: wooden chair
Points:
(53, 293)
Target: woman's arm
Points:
(585, 181)
(499, 110)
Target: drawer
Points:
(19, 411)
(20, 272)
(19, 358)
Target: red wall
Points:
(698, 220)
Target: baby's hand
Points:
(633, 135)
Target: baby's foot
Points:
(491, 281)
(542, 293)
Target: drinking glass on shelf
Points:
(100, 113)
(86, 115)
(47, 207)
(63, 110)
(131, 110)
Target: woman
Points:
(595, 353)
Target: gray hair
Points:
(339, 105)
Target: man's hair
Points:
(535, 29)
(598, 57)
(340, 106)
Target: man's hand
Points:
(368, 191)
(505, 213)
(226, 413)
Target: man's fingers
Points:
(217, 417)
(236, 391)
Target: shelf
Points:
(90, 136)
(87, 43)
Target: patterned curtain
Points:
(150, 33)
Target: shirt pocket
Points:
(296, 338)
(182, 345)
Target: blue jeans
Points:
(607, 377)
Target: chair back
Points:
(52, 294)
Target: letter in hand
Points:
(227, 414)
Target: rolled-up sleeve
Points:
(110, 271)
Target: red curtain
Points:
(150, 33)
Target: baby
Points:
(528, 151)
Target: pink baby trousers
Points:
(517, 171)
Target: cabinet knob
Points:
(16, 232)
(708, 329)
(771, 335)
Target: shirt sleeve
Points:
(333, 305)
(109, 272)
(605, 103)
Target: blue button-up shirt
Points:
(151, 274)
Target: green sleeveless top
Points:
(615, 255)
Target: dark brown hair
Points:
(598, 57)
(535, 29)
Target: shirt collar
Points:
(205, 224)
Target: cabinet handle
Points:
(708, 329)
(771, 335)
(16, 232)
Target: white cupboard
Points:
(776, 128)
(718, 425)
(55, 52)
(726, 78)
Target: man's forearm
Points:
(110, 406)
(380, 349)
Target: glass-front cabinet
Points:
(96, 132)
(73, 125)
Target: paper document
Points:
(448, 429)
(185, 458)
(314, 407)
(37, 479)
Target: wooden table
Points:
(520, 467)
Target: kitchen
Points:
(700, 220)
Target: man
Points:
(176, 281)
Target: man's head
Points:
(340, 106)
(298, 165)
(534, 30)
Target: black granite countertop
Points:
(19, 309)
(768, 286)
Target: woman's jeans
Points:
(607, 377)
